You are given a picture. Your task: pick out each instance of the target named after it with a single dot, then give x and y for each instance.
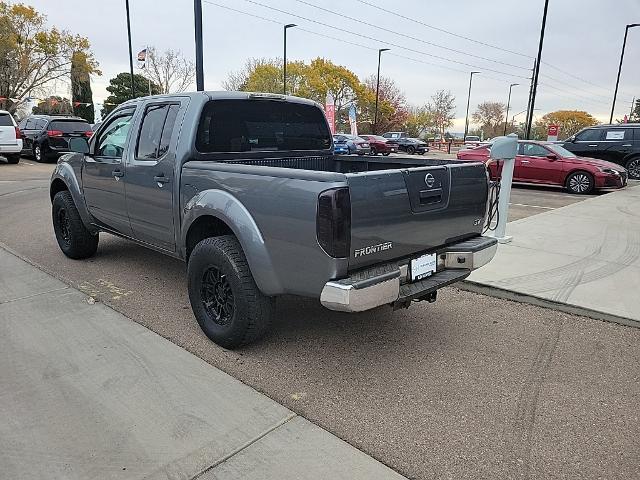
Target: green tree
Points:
(53, 105)
(81, 94)
(490, 117)
(33, 55)
(120, 90)
(569, 121)
(419, 122)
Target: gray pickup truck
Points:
(245, 188)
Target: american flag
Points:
(142, 55)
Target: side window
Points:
(520, 148)
(590, 135)
(619, 134)
(31, 124)
(113, 137)
(41, 124)
(169, 125)
(155, 132)
(533, 150)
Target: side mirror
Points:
(79, 145)
(552, 156)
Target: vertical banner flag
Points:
(352, 120)
(552, 133)
(330, 112)
(142, 57)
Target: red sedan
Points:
(551, 164)
(380, 144)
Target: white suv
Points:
(10, 138)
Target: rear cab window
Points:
(261, 126)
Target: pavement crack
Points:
(34, 295)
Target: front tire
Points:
(38, 154)
(386, 154)
(411, 150)
(373, 151)
(74, 239)
(224, 297)
(580, 183)
(633, 167)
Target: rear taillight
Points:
(54, 133)
(18, 133)
(88, 133)
(333, 223)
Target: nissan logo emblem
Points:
(430, 180)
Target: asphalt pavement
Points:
(468, 387)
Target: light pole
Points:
(624, 43)
(375, 114)
(284, 66)
(133, 88)
(466, 120)
(537, 70)
(197, 18)
(506, 117)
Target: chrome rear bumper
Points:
(389, 283)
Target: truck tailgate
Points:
(397, 213)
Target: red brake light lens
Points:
(88, 133)
(54, 133)
(18, 134)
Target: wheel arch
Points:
(64, 178)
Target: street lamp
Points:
(506, 117)
(375, 114)
(284, 76)
(624, 43)
(197, 24)
(133, 89)
(466, 121)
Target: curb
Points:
(497, 292)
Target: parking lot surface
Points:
(468, 387)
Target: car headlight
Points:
(610, 171)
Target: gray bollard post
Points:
(505, 149)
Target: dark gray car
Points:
(245, 189)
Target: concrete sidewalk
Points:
(583, 258)
(88, 393)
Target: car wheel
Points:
(411, 150)
(74, 239)
(37, 153)
(580, 182)
(386, 154)
(373, 151)
(224, 297)
(633, 167)
(13, 159)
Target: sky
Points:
(580, 57)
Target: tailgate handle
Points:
(429, 197)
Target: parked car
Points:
(471, 141)
(245, 188)
(551, 164)
(395, 135)
(619, 144)
(412, 145)
(47, 137)
(353, 144)
(10, 138)
(382, 145)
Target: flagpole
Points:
(145, 66)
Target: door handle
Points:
(593, 145)
(161, 179)
(117, 174)
(524, 161)
(627, 145)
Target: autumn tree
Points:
(489, 116)
(33, 55)
(169, 70)
(569, 121)
(392, 106)
(120, 90)
(419, 122)
(635, 113)
(442, 107)
(53, 105)
(81, 94)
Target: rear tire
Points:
(224, 297)
(13, 159)
(633, 167)
(374, 152)
(38, 154)
(580, 183)
(74, 239)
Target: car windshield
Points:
(560, 151)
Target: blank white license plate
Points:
(423, 266)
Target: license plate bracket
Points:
(423, 266)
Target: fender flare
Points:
(65, 173)
(227, 208)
